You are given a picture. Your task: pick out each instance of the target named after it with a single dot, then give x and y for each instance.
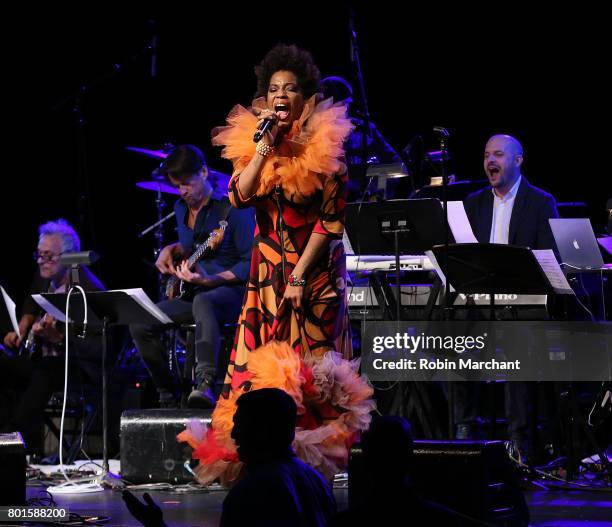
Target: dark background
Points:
(537, 76)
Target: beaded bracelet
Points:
(295, 281)
(263, 149)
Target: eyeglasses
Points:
(45, 256)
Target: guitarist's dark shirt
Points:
(234, 253)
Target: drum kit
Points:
(158, 182)
(160, 185)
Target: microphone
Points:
(262, 129)
(79, 258)
(441, 131)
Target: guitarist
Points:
(34, 378)
(218, 279)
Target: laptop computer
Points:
(576, 243)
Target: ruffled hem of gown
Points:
(334, 406)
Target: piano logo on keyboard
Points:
(363, 297)
(499, 297)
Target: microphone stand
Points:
(366, 134)
(74, 103)
(152, 47)
(443, 136)
(158, 226)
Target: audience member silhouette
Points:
(278, 489)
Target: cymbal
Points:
(166, 188)
(162, 154)
(219, 187)
(156, 154)
(217, 179)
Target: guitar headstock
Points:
(216, 236)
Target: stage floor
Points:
(559, 508)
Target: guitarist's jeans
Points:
(209, 310)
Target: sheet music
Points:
(548, 262)
(12, 310)
(436, 265)
(459, 223)
(347, 244)
(146, 303)
(50, 308)
(136, 294)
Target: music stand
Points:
(407, 226)
(495, 268)
(474, 268)
(399, 226)
(105, 308)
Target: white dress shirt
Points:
(502, 212)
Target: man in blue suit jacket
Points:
(510, 211)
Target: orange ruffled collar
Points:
(313, 147)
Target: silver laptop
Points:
(576, 242)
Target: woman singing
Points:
(294, 330)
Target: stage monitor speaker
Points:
(150, 452)
(474, 478)
(13, 469)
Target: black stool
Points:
(186, 377)
(78, 409)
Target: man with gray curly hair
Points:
(54, 239)
(66, 234)
(35, 369)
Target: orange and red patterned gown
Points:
(301, 191)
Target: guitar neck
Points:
(197, 253)
(173, 281)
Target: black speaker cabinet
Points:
(12, 469)
(475, 478)
(150, 452)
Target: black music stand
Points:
(104, 309)
(399, 226)
(495, 268)
(475, 268)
